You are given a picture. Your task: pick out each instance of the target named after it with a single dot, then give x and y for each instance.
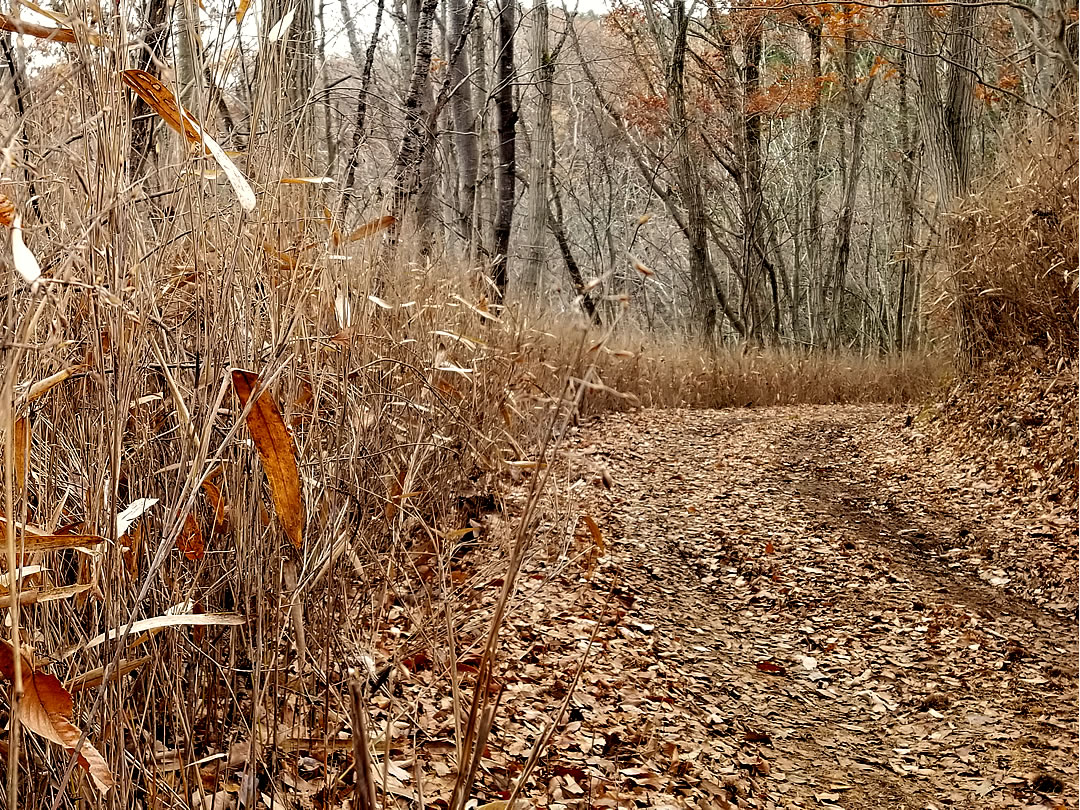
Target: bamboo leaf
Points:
(277, 452)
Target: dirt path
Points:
(811, 617)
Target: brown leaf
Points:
(162, 101)
(42, 387)
(370, 228)
(7, 211)
(277, 451)
(35, 538)
(594, 532)
(22, 438)
(8, 23)
(190, 540)
(771, 668)
(220, 507)
(46, 710)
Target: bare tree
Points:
(506, 139)
(535, 255)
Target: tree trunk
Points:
(410, 154)
(482, 216)
(703, 299)
(814, 269)
(462, 112)
(754, 248)
(907, 211)
(155, 41)
(540, 168)
(558, 230)
(947, 121)
(361, 109)
(506, 134)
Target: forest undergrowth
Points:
(251, 488)
(245, 487)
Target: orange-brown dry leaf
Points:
(46, 710)
(594, 532)
(370, 228)
(22, 450)
(7, 210)
(162, 101)
(190, 541)
(277, 451)
(8, 23)
(217, 502)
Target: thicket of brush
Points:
(1017, 263)
(1014, 407)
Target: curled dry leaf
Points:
(42, 387)
(7, 211)
(642, 268)
(281, 27)
(37, 596)
(370, 228)
(96, 676)
(46, 710)
(277, 452)
(132, 512)
(594, 532)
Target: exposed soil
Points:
(809, 613)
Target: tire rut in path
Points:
(817, 653)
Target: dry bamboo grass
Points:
(1016, 278)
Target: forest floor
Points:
(798, 607)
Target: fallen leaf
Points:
(46, 710)
(771, 668)
(594, 531)
(21, 439)
(7, 211)
(277, 452)
(217, 502)
(308, 181)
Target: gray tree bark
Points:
(463, 115)
(535, 254)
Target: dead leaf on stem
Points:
(46, 710)
(277, 452)
(190, 541)
(370, 228)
